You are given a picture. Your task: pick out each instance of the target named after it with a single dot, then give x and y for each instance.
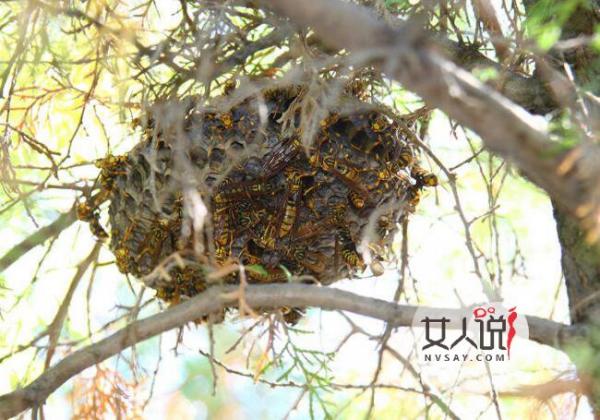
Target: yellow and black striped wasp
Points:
(423, 177)
(348, 250)
(87, 213)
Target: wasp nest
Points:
(273, 205)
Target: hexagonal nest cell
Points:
(204, 188)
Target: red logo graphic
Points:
(482, 333)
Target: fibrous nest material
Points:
(282, 210)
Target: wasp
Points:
(379, 124)
(248, 252)
(84, 211)
(227, 120)
(230, 194)
(123, 259)
(224, 236)
(291, 202)
(160, 230)
(308, 195)
(283, 153)
(329, 120)
(292, 315)
(125, 238)
(246, 220)
(165, 293)
(313, 261)
(110, 162)
(311, 204)
(327, 163)
(349, 254)
(385, 175)
(338, 213)
(245, 216)
(311, 229)
(385, 223)
(223, 233)
(249, 217)
(379, 177)
(226, 183)
(313, 160)
(97, 228)
(356, 199)
(423, 177)
(110, 167)
(406, 157)
(268, 237)
(153, 240)
(357, 88)
(413, 196)
(250, 258)
(348, 175)
(221, 254)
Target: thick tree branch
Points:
(528, 92)
(409, 56)
(263, 296)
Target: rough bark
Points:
(581, 268)
(580, 259)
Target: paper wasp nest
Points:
(272, 205)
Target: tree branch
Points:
(37, 238)
(412, 58)
(42, 235)
(264, 297)
(528, 92)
